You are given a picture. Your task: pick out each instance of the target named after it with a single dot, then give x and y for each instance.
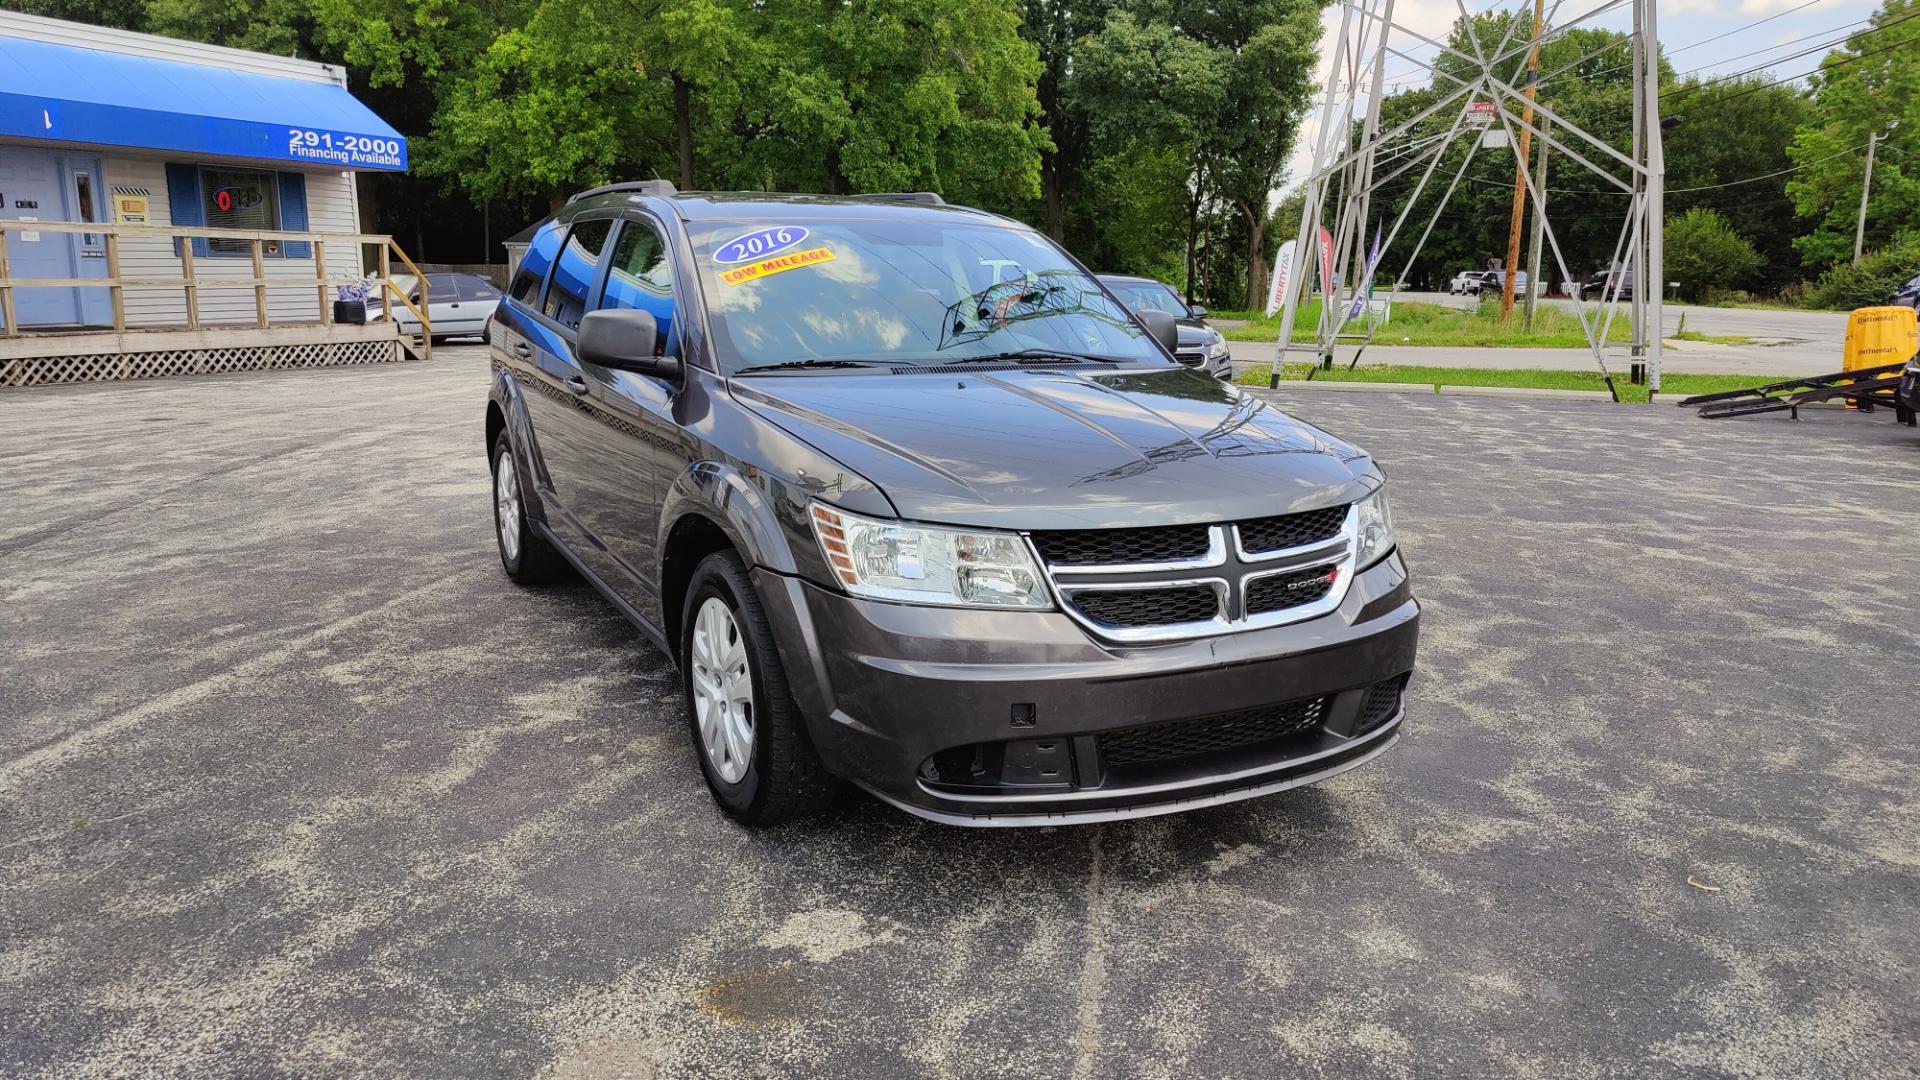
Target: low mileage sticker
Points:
(779, 264)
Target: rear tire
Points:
(524, 554)
(747, 731)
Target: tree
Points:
(1271, 49)
(1055, 29)
(1147, 87)
(548, 108)
(118, 14)
(864, 95)
(1704, 254)
(1729, 153)
(1863, 87)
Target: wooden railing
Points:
(182, 237)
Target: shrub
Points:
(1705, 254)
(1870, 284)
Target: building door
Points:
(89, 200)
(31, 190)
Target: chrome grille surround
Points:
(1226, 568)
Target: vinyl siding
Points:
(330, 208)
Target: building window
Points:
(246, 199)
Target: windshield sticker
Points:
(759, 244)
(779, 264)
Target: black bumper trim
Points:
(1124, 804)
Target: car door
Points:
(476, 298)
(538, 342)
(636, 444)
(443, 305)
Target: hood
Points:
(1196, 332)
(1064, 448)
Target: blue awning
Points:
(65, 93)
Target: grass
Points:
(1430, 324)
(1673, 387)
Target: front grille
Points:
(1281, 591)
(1190, 357)
(1152, 743)
(1291, 530)
(1092, 547)
(1149, 607)
(1383, 700)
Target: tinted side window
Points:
(573, 272)
(534, 263)
(641, 277)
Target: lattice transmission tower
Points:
(1349, 224)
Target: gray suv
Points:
(913, 502)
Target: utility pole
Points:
(1520, 164)
(1866, 186)
(1539, 225)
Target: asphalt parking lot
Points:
(293, 782)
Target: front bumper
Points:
(903, 700)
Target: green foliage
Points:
(553, 106)
(1730, 131)
(1874, 80)
(1220, 88)
(1704, 253)
(1847, 286)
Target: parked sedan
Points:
(458, 305)
(1201, 346)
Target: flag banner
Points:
(1365, 290)
(1326, 264)
(1282, 277)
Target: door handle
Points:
(523, 350)
(576, 384)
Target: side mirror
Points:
(624, 339)
(1161, 326)
(1198, 311)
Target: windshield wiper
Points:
(802, 364)
(1018, 356)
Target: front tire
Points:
(747, 731)
(524, 554)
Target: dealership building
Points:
(127, 130)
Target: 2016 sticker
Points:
(759, 244)
(779, 264)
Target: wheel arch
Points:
(507, 411)
(709, 507)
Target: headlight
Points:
(922, 564)
(1218, 349)
(1374, 527)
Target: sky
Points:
(1684, 29)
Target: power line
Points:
(1744, 29)
(1696, 87)
(1854, 59)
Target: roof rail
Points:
(643, 187)
(927, 197)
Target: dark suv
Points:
(913, 502)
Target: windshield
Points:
(899, 292)
(1148, 296)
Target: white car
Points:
(458, 305)
(1474, 282)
